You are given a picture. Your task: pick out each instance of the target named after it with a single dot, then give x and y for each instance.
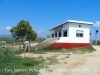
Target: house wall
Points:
(71, 41)
(86, 35)
(65, 27)
(51, 31)
(72, 34)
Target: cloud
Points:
(97, 24)
(8, 28)
(38, 31)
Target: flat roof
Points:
(72, 21)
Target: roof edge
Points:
(74, 21)
(84, 22)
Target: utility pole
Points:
(90, 39)
(96, 31)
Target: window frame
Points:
(55, 34)
(52, 35)
(79, 32)
(79, 35)
(64, 34)
(79, 25)
(59, 34)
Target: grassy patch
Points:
(52, 60)
(83, 50)
(14, 65)
(37, 51)
(73, 50)
(12, 41)
(67, 56)
(8, 60)
(80, 50)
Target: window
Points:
(52, 35)
(59, 33)
(79, 34)
(79, 25)
(56, 34)
(65, 33)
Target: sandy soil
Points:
(76, 64)
(37, 55)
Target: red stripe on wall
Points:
(69, 45)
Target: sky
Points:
(46, 14)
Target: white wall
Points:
(66, 27)
(51, 31)
(72, 34)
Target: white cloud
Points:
(8, 28)
(39, 31)
(97, 24)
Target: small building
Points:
(71, 34)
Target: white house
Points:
(72, 33)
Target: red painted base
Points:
(69, 45)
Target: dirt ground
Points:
(76, 64)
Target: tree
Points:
(22, 30)
(32, 36)
(48, 36)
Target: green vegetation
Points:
(81, 50)
(52, 60)
(23, 30)
(94, 42)
(31, 66)
(67, 56)
(14, 65)
(38, 51)
(87, 49)
(12, 41)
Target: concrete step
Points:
(46, 42)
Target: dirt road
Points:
(78, 64)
